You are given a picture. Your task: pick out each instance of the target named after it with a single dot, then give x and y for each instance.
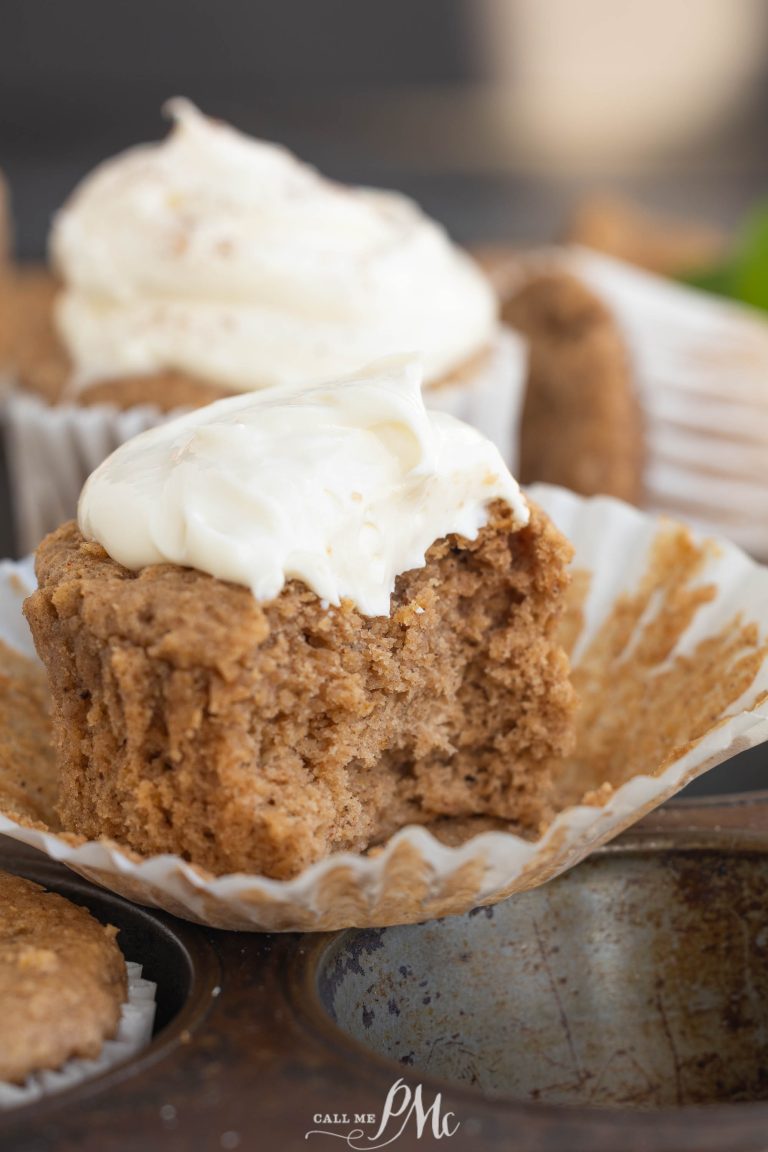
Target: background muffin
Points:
(213, 264)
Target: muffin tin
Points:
(602, 1011)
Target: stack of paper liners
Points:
(669, 642)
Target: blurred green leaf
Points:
(749, 275)
(716, 280)
(744, 276)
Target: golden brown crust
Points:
(62, 980)
(34, 351)
(246, 737)
(627, 232)
(582, 423)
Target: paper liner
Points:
(52, 450)
(712, 601)
(133, 1033)
(492, 401)
(701, 366)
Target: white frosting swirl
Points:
(342, 486)
(226, 258)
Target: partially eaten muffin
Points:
(288, 625)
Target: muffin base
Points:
(253, 737)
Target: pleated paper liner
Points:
(701, 369)
(53, 449)
(685, 339)
(669, 642)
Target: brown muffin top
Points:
(62, 980)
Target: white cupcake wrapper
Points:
(52, 450)
(415, 876)
(493, 400)
(134, 1033)
(701, 367)
(696, 343)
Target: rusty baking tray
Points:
(623, 1006)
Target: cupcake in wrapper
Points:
(668, 635)
(71, 1006)
(133, 1033)
(680, 427)
(213, 264)
(290, 623)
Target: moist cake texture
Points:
(62, 980)
(248, 736)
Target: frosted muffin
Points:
(292, 622)
(213, 264)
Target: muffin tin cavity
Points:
(639, 981)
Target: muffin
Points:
(582, 425)
(294, 621)
(62, 980)
(212, 264)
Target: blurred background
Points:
(496, 115)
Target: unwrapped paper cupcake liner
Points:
(52, 449)
(134, 1032)
(669, 641)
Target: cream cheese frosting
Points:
(224, 257)
(342, 486)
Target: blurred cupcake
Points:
(659, 390)
(213, 264)
(701, 366)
